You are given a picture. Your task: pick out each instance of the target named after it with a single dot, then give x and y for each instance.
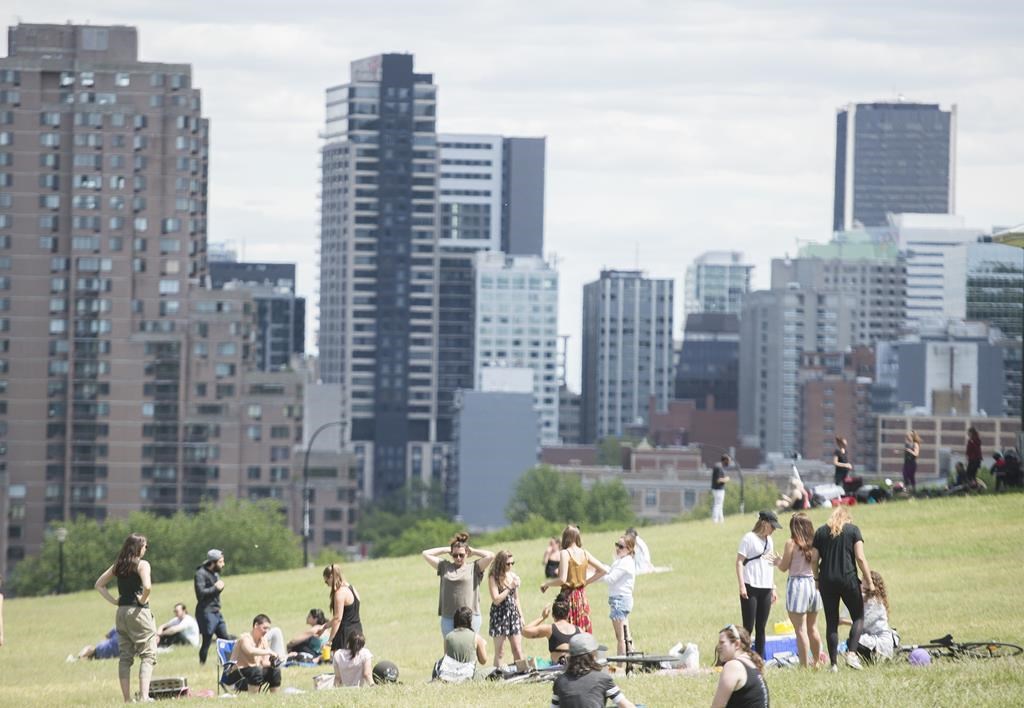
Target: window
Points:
(122, 79)
(255, 411)
(169, 287)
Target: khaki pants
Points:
(136, 630)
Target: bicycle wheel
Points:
(989, 650)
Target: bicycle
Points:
(946, 648)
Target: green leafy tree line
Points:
(253, 535)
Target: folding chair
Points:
(229, 678)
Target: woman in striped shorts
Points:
(802, 598)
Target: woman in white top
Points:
(803, 602)
(353, 665)
(621, 578)
(755, 561)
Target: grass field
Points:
(952, 565)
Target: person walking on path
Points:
(344, 601)
(841, 462)
(718, 481)
(755, 563)
(208, 587)
(135, 625)
(803, 602)
(911, 451)
(840, 549)
(506, 619)
(459, 581)
(572, 577)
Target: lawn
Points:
(952, 565)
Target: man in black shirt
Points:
(718, 480)
(208, 586)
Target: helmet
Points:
(385, 672)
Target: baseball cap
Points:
(770, 517)
(385, 672)
(213, 554)
(584, 643)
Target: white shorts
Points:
(802, 595)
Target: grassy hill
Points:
(953, 565)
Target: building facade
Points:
(516, 325)
(708, 368)
(716, 281)
(835, 401)
(627, 350)
(379, 264)
(893, 158)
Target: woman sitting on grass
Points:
(312, 640)
(741, 682)
(353, 665)
(878, 641)
(558, 633)
(584, 684)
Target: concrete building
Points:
(927, 240)
(495, 444)
(835, 401)
(280, 314)
(379, 254)
(716, 281)
(943, 440)
(893, 158)
(776, 328)
(946, 369)
(873, 274)
(627, 350)
(570, 416)
(985, 283)
(708, 366)
(516, 325)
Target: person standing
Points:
(344, 601)
(974, 456)
(208, 587)
(803, 602)
(755, 563)
(840, 549)
(911, 451)
(459, 581)
(621, 579)
(841, 462)
(551, 558)
(573, 564)
(506, 618)
(135, 625)
(718, 480)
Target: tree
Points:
(549, 494)
(609, 450)
(758, 494)
(609, 501)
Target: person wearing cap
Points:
(718, 481)
(209, 586)
(584, 684)
(755, 563)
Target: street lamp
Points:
(62, 536)
(305, 489)
(731, 452)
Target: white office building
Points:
(516, 325)
(716, 281)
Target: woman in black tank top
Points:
(558, 638)
(741, 683)
(344, 607)
(552, 558)
(136, 627)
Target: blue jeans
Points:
(211, 624)
(448, 624)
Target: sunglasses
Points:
(620, 545)
(511, 562)
(458, 555)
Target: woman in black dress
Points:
(841, 462)
(506, 620)
(552, 558)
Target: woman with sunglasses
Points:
(136, 627)
(459, 581)
(621, 578)
(574, 562)
(506, 620)
(741, 683)
(755, 563)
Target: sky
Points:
(673, 127)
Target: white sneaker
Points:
(853, 661)
(833, 669)
(71, 658)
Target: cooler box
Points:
(778, 644)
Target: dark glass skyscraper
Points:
(709, 360)
(893, 158)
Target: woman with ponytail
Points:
(741, 683)
(344, 602)
(802, 599)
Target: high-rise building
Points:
(709, 361)
(927, 242)
(516, 309)
(378, 306)
(984, 282)
(627, 351)
(716, 281)
(776, 328)
(835, 401)
(893, 158)
(570, 405)
(281, 316)
(874, 274)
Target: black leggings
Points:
(849, 593)
(755, 610)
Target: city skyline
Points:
(706, 143)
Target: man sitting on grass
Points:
(183, 629)
(257, 663)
